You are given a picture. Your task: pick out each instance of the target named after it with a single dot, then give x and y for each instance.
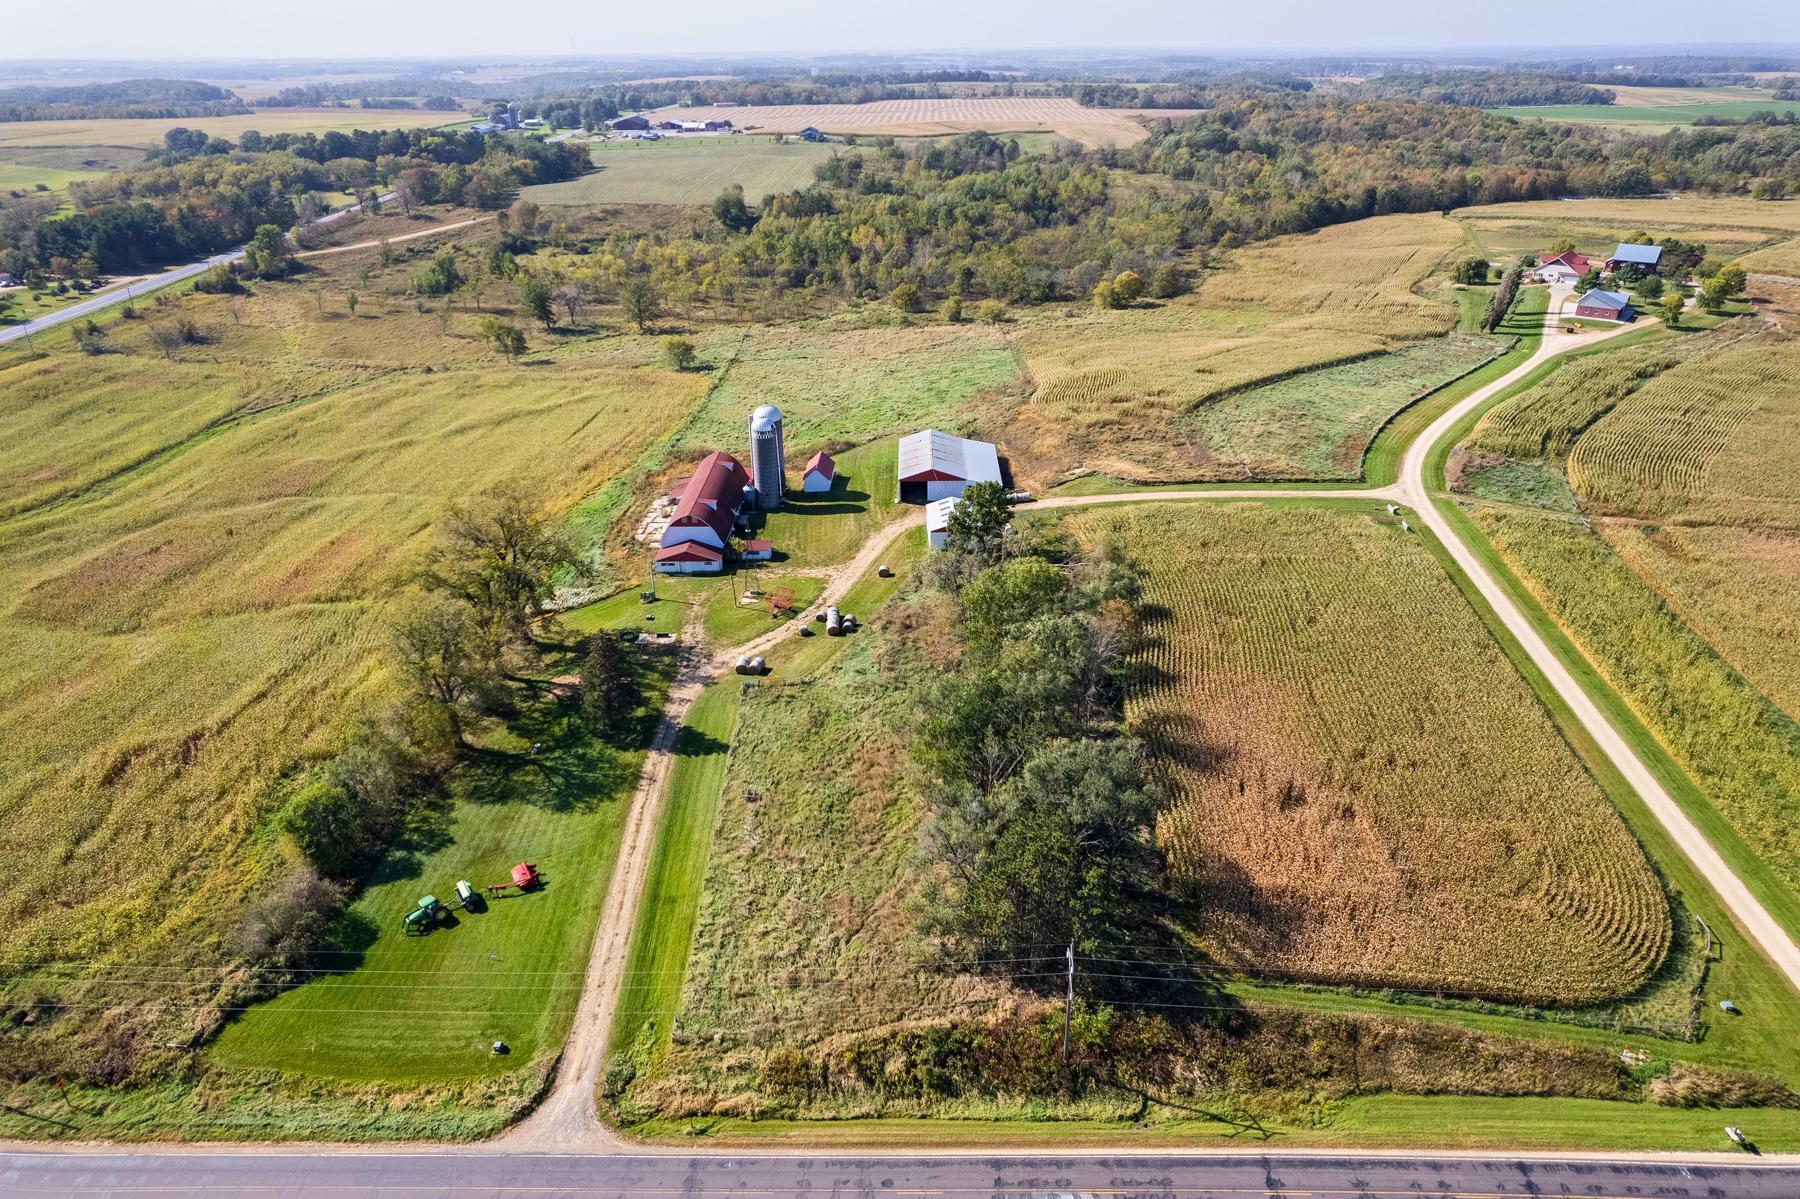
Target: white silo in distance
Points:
(768, 464)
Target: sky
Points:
(139, 29)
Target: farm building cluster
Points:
(639, 123)
(935, 468)
(694, 526)
(1628, 262)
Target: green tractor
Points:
(424, 918)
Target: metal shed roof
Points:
(1603, 299)
(1643, 255)
(929, 454)
(937, 513)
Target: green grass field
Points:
(1318, 424)
(827, 527)
(835, 382)
(656, 961)
(1398, 1121)
(686, 171)
(1645, 118)
(410, 1009)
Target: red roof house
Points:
(689, 558)
(1566, 267)
(757, 550)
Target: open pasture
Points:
(1650, 109)
(1361, 788)
(1124, 392)
(686, 171)
(835, 383)
(930, 117)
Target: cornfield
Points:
(1544, 420)
(1716, 439)
(1361, 788)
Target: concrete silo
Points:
(768, 463)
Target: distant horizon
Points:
(1545, 51)
(131, 31)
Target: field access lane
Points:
(1206, 1176)
(1745, 908)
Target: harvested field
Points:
(931, 117)
(1117, 391)
(686, 171)
(1338, 815)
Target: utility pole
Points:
(1069, 1003)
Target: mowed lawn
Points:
(686, 171)
(422, 1008)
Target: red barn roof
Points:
(689, 551)
(713, 495)
(1569, 258)
(822, 463)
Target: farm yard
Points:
(690, 171)
(1345, 816)
(931, 117)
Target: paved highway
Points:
(1203, 1176)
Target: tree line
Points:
(139, 98)
(197, 199)
(1040, 806)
